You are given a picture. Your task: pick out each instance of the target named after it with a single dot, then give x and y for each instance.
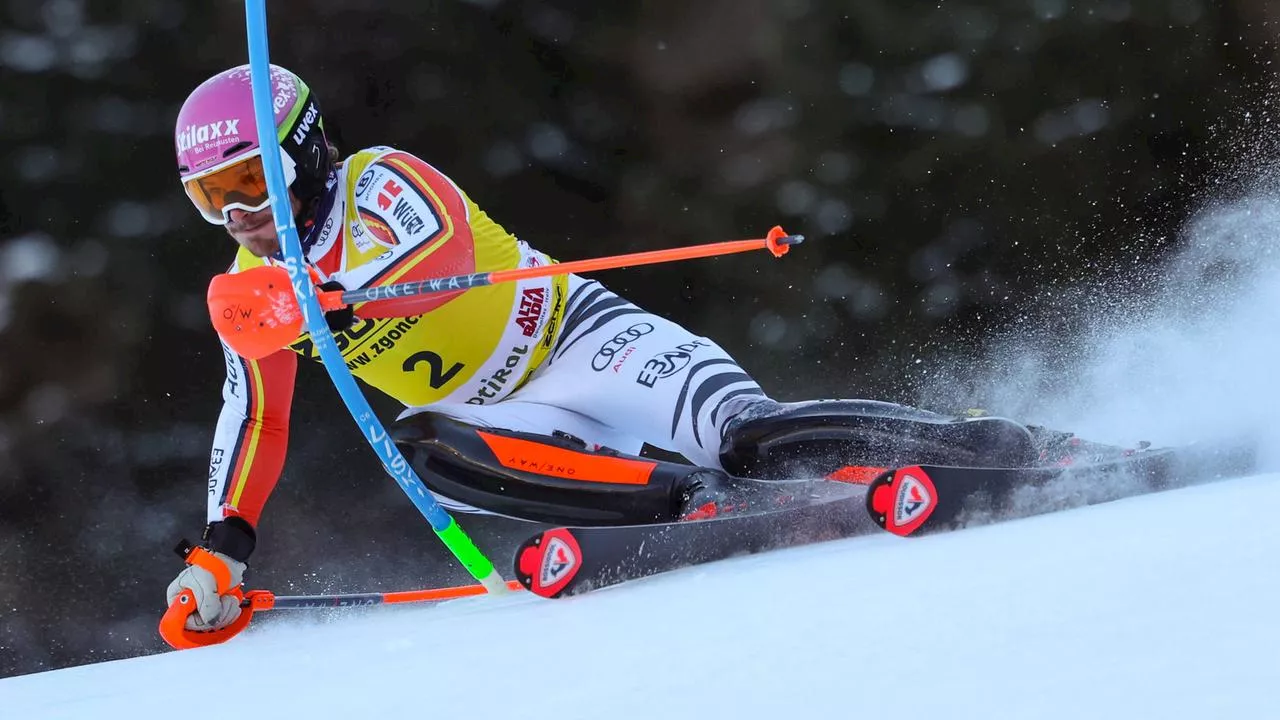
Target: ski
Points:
(922, 499)
(566, 561)
(908, 501)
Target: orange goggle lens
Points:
(241, 185)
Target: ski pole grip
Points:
(331, 300)
(202, 558)
(173, 625)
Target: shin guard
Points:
(551, 479)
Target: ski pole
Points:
(174, 630)
(306, 309)
(266, 600)
(777, 242)
(256, 313)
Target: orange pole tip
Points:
(778, 249)
(447, 593)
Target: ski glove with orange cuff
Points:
(213, 572)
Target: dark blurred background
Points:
(948, 161)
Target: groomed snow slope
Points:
(1161, 606)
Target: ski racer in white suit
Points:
(529, 399)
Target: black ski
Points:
(921, 499)
(567, 561)
(913, 500)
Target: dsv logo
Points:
(611, 347)
(668, 363)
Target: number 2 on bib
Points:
(439, 376)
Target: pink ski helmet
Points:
(218, 150)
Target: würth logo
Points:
(193, 135)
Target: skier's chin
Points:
(261, 241)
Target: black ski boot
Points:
(705, 495)
(853, 440)
(1061, 449)
(708, 493)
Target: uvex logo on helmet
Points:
(304, 126)
(193, 135)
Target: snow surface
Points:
(1160, 606)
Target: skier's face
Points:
(256, 231)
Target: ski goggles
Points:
(237, 184)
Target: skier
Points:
(529, 399)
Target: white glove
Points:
(215, 607)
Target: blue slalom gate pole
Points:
(445, 526)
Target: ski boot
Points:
(1061, 449)
(856, 440)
